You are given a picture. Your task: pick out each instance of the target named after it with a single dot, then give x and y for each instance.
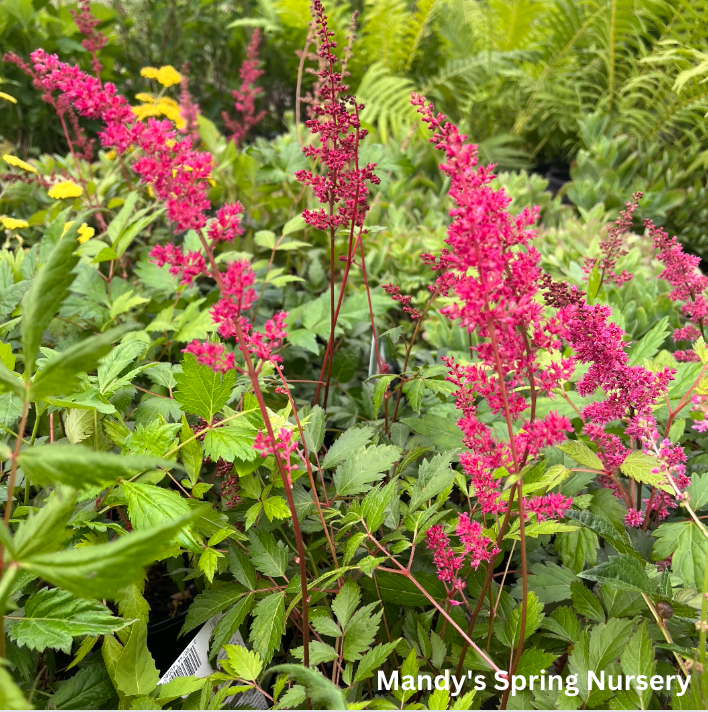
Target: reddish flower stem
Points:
(287, 486)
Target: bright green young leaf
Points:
(382, 384)
(242, 663)
(53, 618)
(582, 454)
(200, 390)
(365, 466)
(639, 465)
(135, 671)
(98, 571)
(267, 626)
(346, 445)
(48, 290)
(276, 508)
(80, 467)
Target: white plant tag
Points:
(194, 660)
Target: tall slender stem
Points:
(284, 475)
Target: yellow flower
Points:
(151, 193)
(145, 97)
(111, 155)
(168, 75)
(7, 97)
(12, 224)
(170, 143)
(18, 163)
(65, 189)
(85, 233)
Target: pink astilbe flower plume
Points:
(476, 548)
(343, 183)
(493, 269)
(87, 23)
(681, 271)
(612, 247)
(246, 96)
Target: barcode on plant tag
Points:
(194, 660)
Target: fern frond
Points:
(387, 101)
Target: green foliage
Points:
(134, 455)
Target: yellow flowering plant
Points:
(65, 189)
(18, 163)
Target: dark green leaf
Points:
(433, 477)
(230, 623)
(90, 689)
(269, 557)
(365, 466)
(211, 602)
(242, 568)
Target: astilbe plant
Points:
(545, 375)
(245, 105)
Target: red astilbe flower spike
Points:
(681, 271)
(284, 445)
(227, 224)
(213, 355)
(447, 564)
(186, 266)
(612, 247)
(189, 109)
(476, 548)
(394, 292)
(87, 23)
(246, 96)
(493, 269)
(344, 183)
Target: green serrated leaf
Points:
(582, 454)
(267, 626)
(200, 391)
(52, 618)
(367, 465)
